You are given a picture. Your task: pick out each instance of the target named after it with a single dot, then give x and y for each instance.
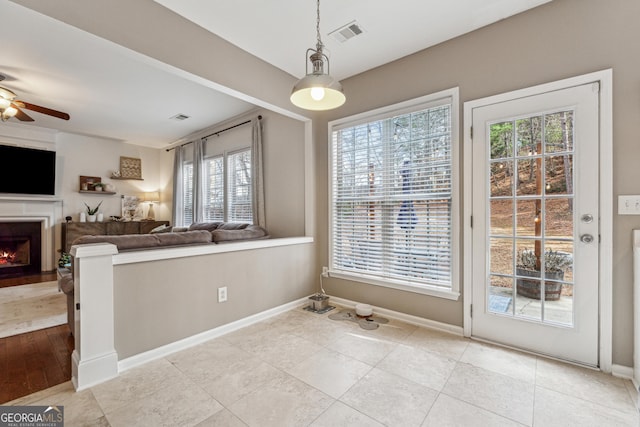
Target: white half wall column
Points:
(94, 359)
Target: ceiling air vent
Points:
(179, 117)
(347, 32)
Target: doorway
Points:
(535, 205)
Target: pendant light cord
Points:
(319, 44)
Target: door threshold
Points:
(533, 353)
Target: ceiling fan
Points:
(12, 107)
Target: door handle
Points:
(586, 238)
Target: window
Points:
(232, 205)
(393, 196)
(214, 189)
(187, 198)
(239, 187)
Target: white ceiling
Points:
(280, 32)
(112, 92)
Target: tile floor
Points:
(303, 369)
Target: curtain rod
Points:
(215, 133)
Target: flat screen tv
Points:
(27, 170)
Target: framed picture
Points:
(131, 208)
(87, 182)
(130, 168)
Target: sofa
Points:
(161, 237)
(166, 236)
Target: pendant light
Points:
(317, 90)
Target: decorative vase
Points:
(100, 217)
(91, 218)
(83, 217)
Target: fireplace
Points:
(20, 248)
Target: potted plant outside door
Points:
(527, 267)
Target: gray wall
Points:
(159, 302)
(283, 145)
(557, 40)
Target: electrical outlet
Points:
(325, 271)
(222, 294)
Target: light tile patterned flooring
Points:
(303, 369)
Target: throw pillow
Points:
(161, 229)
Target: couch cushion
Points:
(251, 232)
(208, 226)
(186, 238)
(232, 226)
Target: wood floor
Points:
(25, 280)
(36, 360)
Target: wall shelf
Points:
(96, 192)
(122, 178)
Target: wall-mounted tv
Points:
(27, 170)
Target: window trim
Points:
(452, 293)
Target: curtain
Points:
(177, 216)
(257, 174)
(198, 177)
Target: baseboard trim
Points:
(87, 373)
(621, 371)
(165, 350)
(408, 318)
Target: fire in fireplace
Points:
(20, 244)
(14, 252)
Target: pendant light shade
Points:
(317, 90)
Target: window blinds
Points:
(239, 206)
(187, 185)
(214, 189)
(391, 197)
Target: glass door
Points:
(535, 244)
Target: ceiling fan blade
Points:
(43, 110)
(21, 115)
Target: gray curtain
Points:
(198, 176)
(177, 216)
(257, 174)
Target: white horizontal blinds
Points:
(392, 193)
(187, 186)
(214, 189)
(239, 206)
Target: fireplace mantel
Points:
(15, 198)
(47, 211)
